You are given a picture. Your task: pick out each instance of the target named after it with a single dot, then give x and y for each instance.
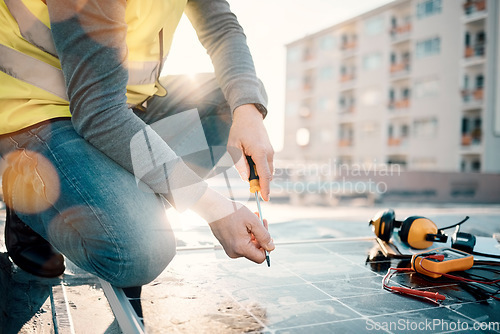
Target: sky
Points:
(269, 25)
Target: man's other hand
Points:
(242, 234)
(249, 136)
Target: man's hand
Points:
(249, 136)
(242, 234)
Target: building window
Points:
(476, 166)
(327, 43)
(425, 128)
(348, 41)
(326, 136)
(429, 47)
(292, 83)
(308, 53)
(306, 109)
(372, 61)
(369, 129)
(371, 96)
(405, 130)
(292, 108)
(426, 88)
(346, 135)
(393, 58)
(308, 80)
(397, 160)
(470, 164)
(471, 131)
(424, 163)
(466, 82)
(343, 70)
(465, 125)
(374, 26)
(481, 37)
(406, 93)
(326, 73)
(324, 103)
(394, 22)
(427, 8)
(345, 39)
(479, 49)
(479, 81)
(342, 102)
(406, 57)
(303, 137)
(293, 55)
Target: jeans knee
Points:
(144, 267)
(139, 263)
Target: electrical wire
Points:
(463, 279)
(457, 224)
(434, 297)
(430, 296)
(487, 263)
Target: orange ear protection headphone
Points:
(415, 231)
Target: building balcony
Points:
(307, 87)
(401, 32)
(471, 143)
(400, 67)
(399, 104)
(474, 6)
(347, 110)
(478, 94)
(347, 77)
(346, 86)
(305, 112)
(394, 142)
(348, 46)
(401, 29)
(469, 52)
(471, 105)
(473, 61)
(308, 57)
(471, 96)
(345, 142)
(470, 139)
(402, 104)
(478, 50)
(399, 70)
(348, 49)
(397, 142)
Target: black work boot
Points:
(29, 251)
(134, 297)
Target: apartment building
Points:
(413, 83)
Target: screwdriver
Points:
(253, 179)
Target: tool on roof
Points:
(253, 179)
(415, 231)
(439, 262)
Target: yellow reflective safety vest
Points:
(32, 87)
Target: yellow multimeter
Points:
(436, 262)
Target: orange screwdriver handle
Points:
(253, 179)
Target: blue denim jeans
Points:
(90, 208)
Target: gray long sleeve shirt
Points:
(90, 41)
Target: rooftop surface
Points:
(325, 276)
